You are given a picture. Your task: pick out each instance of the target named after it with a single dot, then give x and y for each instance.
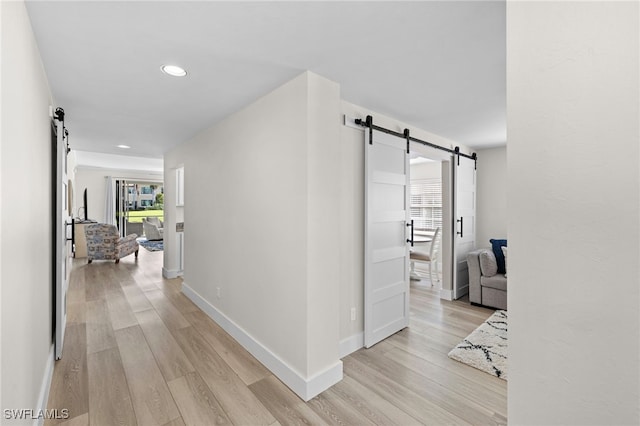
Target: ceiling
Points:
(435, 65)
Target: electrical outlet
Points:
(353, 314)
(218, 292)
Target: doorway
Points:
(431, 208)
(136, 201)
(426, 210)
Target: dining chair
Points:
(430, 257)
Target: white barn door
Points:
(62, 238)
(387, 215)
(464, 237)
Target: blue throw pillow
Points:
(497, 250)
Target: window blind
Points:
(426, 203)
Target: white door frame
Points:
(446, 160)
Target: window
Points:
(426, 203)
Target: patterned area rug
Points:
(151, 245)
(486, 347)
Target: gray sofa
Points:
(486, 289)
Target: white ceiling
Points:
(436, 65)
(118, 162)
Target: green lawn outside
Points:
(137, 216)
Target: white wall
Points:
(265, 234)
(430, 170)
(573, 212)
(172, 214)
(94, 180)
(491, 195)
(25, 223)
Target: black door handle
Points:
(411, 240)
(461, 233)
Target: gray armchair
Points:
(152, 227)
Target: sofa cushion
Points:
(497, 251)
(498, 281)
(488, 264)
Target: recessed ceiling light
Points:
(124, 146)
(174, 70)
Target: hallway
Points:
(137, 351)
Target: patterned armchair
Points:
(104, 243)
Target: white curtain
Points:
(110, 205)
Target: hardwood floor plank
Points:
(197, 404)
(145, 284)
(240, 404)
(99, 331)
(285, 406)
(443, 397)
(152, 401)
(461, 385)
(94, 287)
(81, 420)
(249, 369)
(175, 422)
(109, 399)
(109, 278)
(171, 316)
(120, 311)
(70, 382)
(76, 293)
(136, 298)
(174, 294)
(171, 359)
(415, 405)
(422, 346)
(76, 313)
(336, 411)
(363, 402)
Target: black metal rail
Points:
(405, 135)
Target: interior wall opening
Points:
(137, 202)
(430, 206)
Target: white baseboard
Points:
(446, 294)
(171, 273)
(304, 388)
(43, 397)
(351, 344)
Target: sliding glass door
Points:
(135, 201)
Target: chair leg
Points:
(431, 272)
(137, 253)
(412, 272)
(117, 260)
(89, 260)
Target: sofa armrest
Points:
(473, 262)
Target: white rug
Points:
(486, 347)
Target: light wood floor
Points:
(137, 351)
